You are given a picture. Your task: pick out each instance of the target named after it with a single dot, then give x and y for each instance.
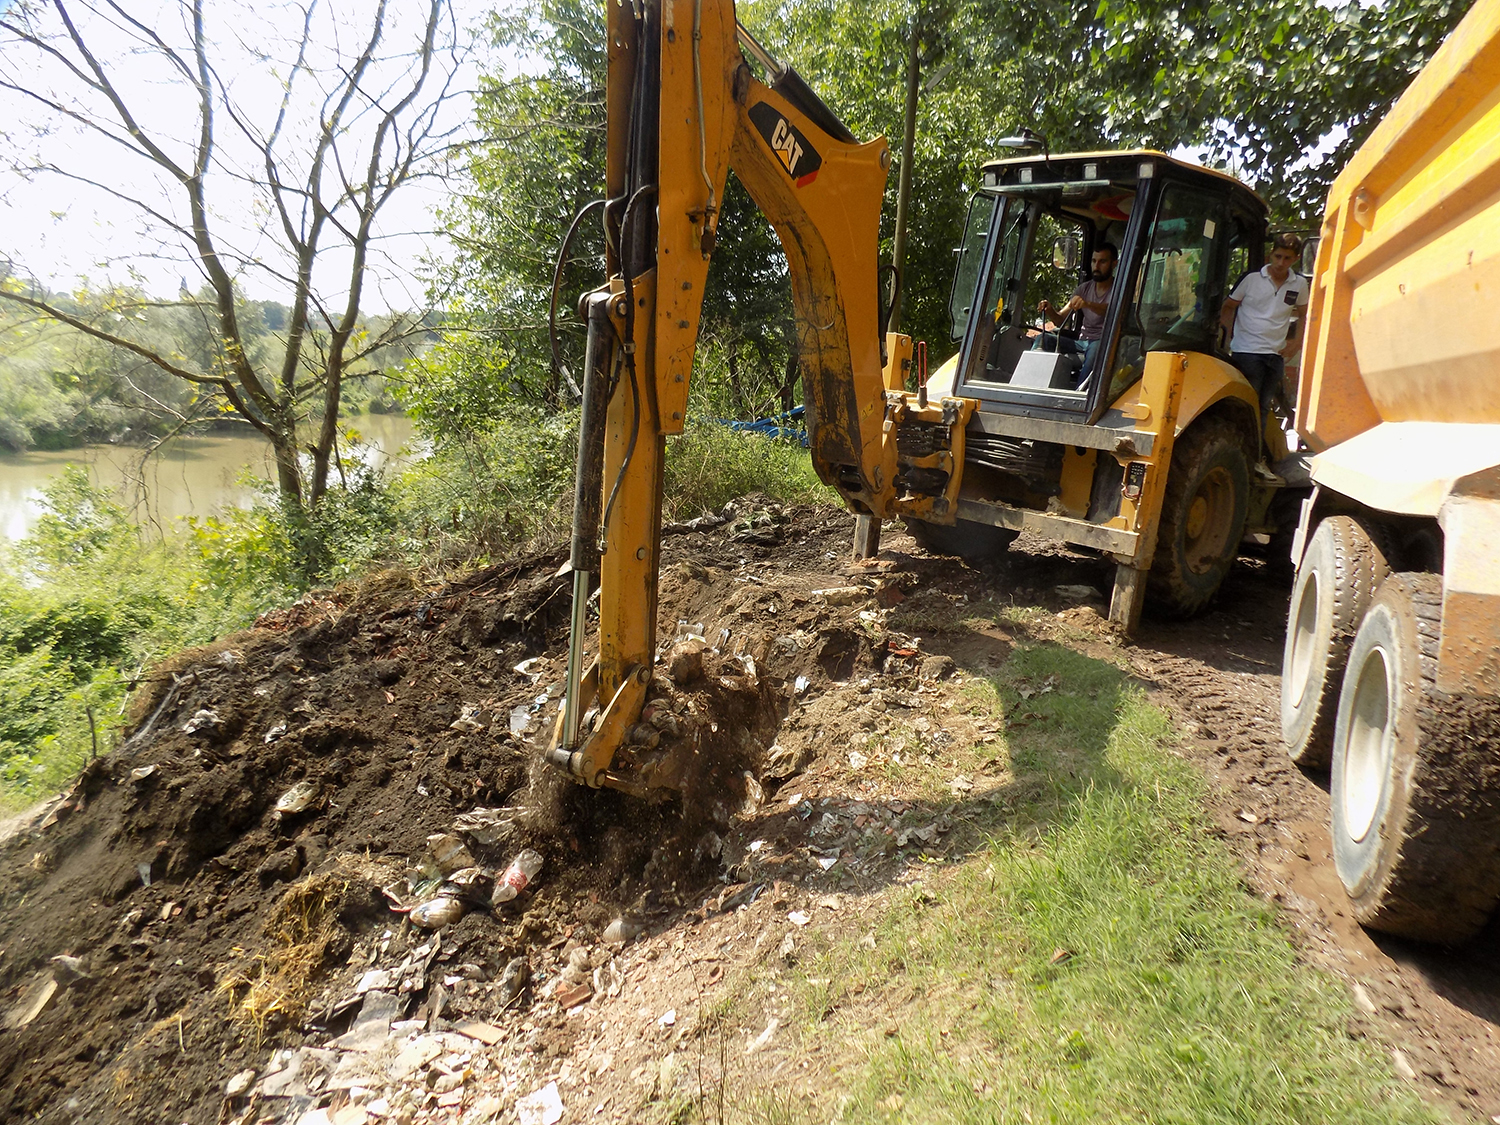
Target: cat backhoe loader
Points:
(1146, 455)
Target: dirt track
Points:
(374, 686)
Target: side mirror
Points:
(1065, 252)
(1309, 257)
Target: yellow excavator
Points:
(1149, 451)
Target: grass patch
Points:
(1097, 957)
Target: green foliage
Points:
(709, 465)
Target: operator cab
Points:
(1183, 234)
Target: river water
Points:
(190, 476)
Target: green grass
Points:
(1094, 955)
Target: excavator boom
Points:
(684, 106)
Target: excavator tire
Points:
(1202, 518)
(1416, 781)
(1345, 562)
(970, 541)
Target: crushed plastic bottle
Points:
(517, 877)
(438, 912)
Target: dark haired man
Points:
(1258, 315)
(1093, 298)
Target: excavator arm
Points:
(684, 106)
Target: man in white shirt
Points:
(1258, 315)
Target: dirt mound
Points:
(201, 895)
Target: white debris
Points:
(544, 1107)
(206, 717)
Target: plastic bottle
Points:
(517, 877)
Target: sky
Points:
(65, 232)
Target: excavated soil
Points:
(163, 927)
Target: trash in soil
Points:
(858, 761)
(67, 968)
(799, 685)
(532, 668)
(468, 720)
(668, 1018)
(513, 979)
(144, 870)
(239, 1085)
(448, 852)
(31, 1004)
(844, 595)
(487, 826)
(1026, 689)
(543, 1107)
(1078, 593)
(274, 733)
(764, 1037)
(799, 918)
(517, 877)
(201, 719)
(297, 799)
(620, 932)
(142, 773)
(438, 912)
(522, 720)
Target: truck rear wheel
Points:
(1202, 517)
(1416, 820)
(1344, 564)
(970, 541)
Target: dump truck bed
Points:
(1402, 320)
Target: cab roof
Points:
(1033, 160)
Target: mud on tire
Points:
(1345, 562)
(1202, 518)
(1416, 780)
(970, 541)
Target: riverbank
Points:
(188, 476)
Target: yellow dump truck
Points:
(1391, 672)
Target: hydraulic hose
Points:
(562, 257)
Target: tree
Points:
(272, 161)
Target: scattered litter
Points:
(571, 995)
(141, 773)
(544, 1107)
(830, 902)
(1059, 956)
(468, 720)
(798, 918)
(1249, 817)
(274, 733)
(66, 968)
(297, 799)
(868, 941)
(858, 761)
(517, 877)
(144, 870)
(513, 979)
(32, 1002)
(668, 1018)
(239, 1085)
(205, 717)
(1078, 593)
(1403, 1066)
(231, 658)
(487, 826)
(374, 979)
(532, 668)
(794, 798)
(799, 685)
(620, 932)
(522, 720)
(825, 862)
(448, 852)
(486, 1033)
(764, 1037)
(1026, 690)
(436, 913)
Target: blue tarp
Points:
(792, 425)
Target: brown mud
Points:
(165, 928)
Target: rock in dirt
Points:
(844, 595)
(1078, 593)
